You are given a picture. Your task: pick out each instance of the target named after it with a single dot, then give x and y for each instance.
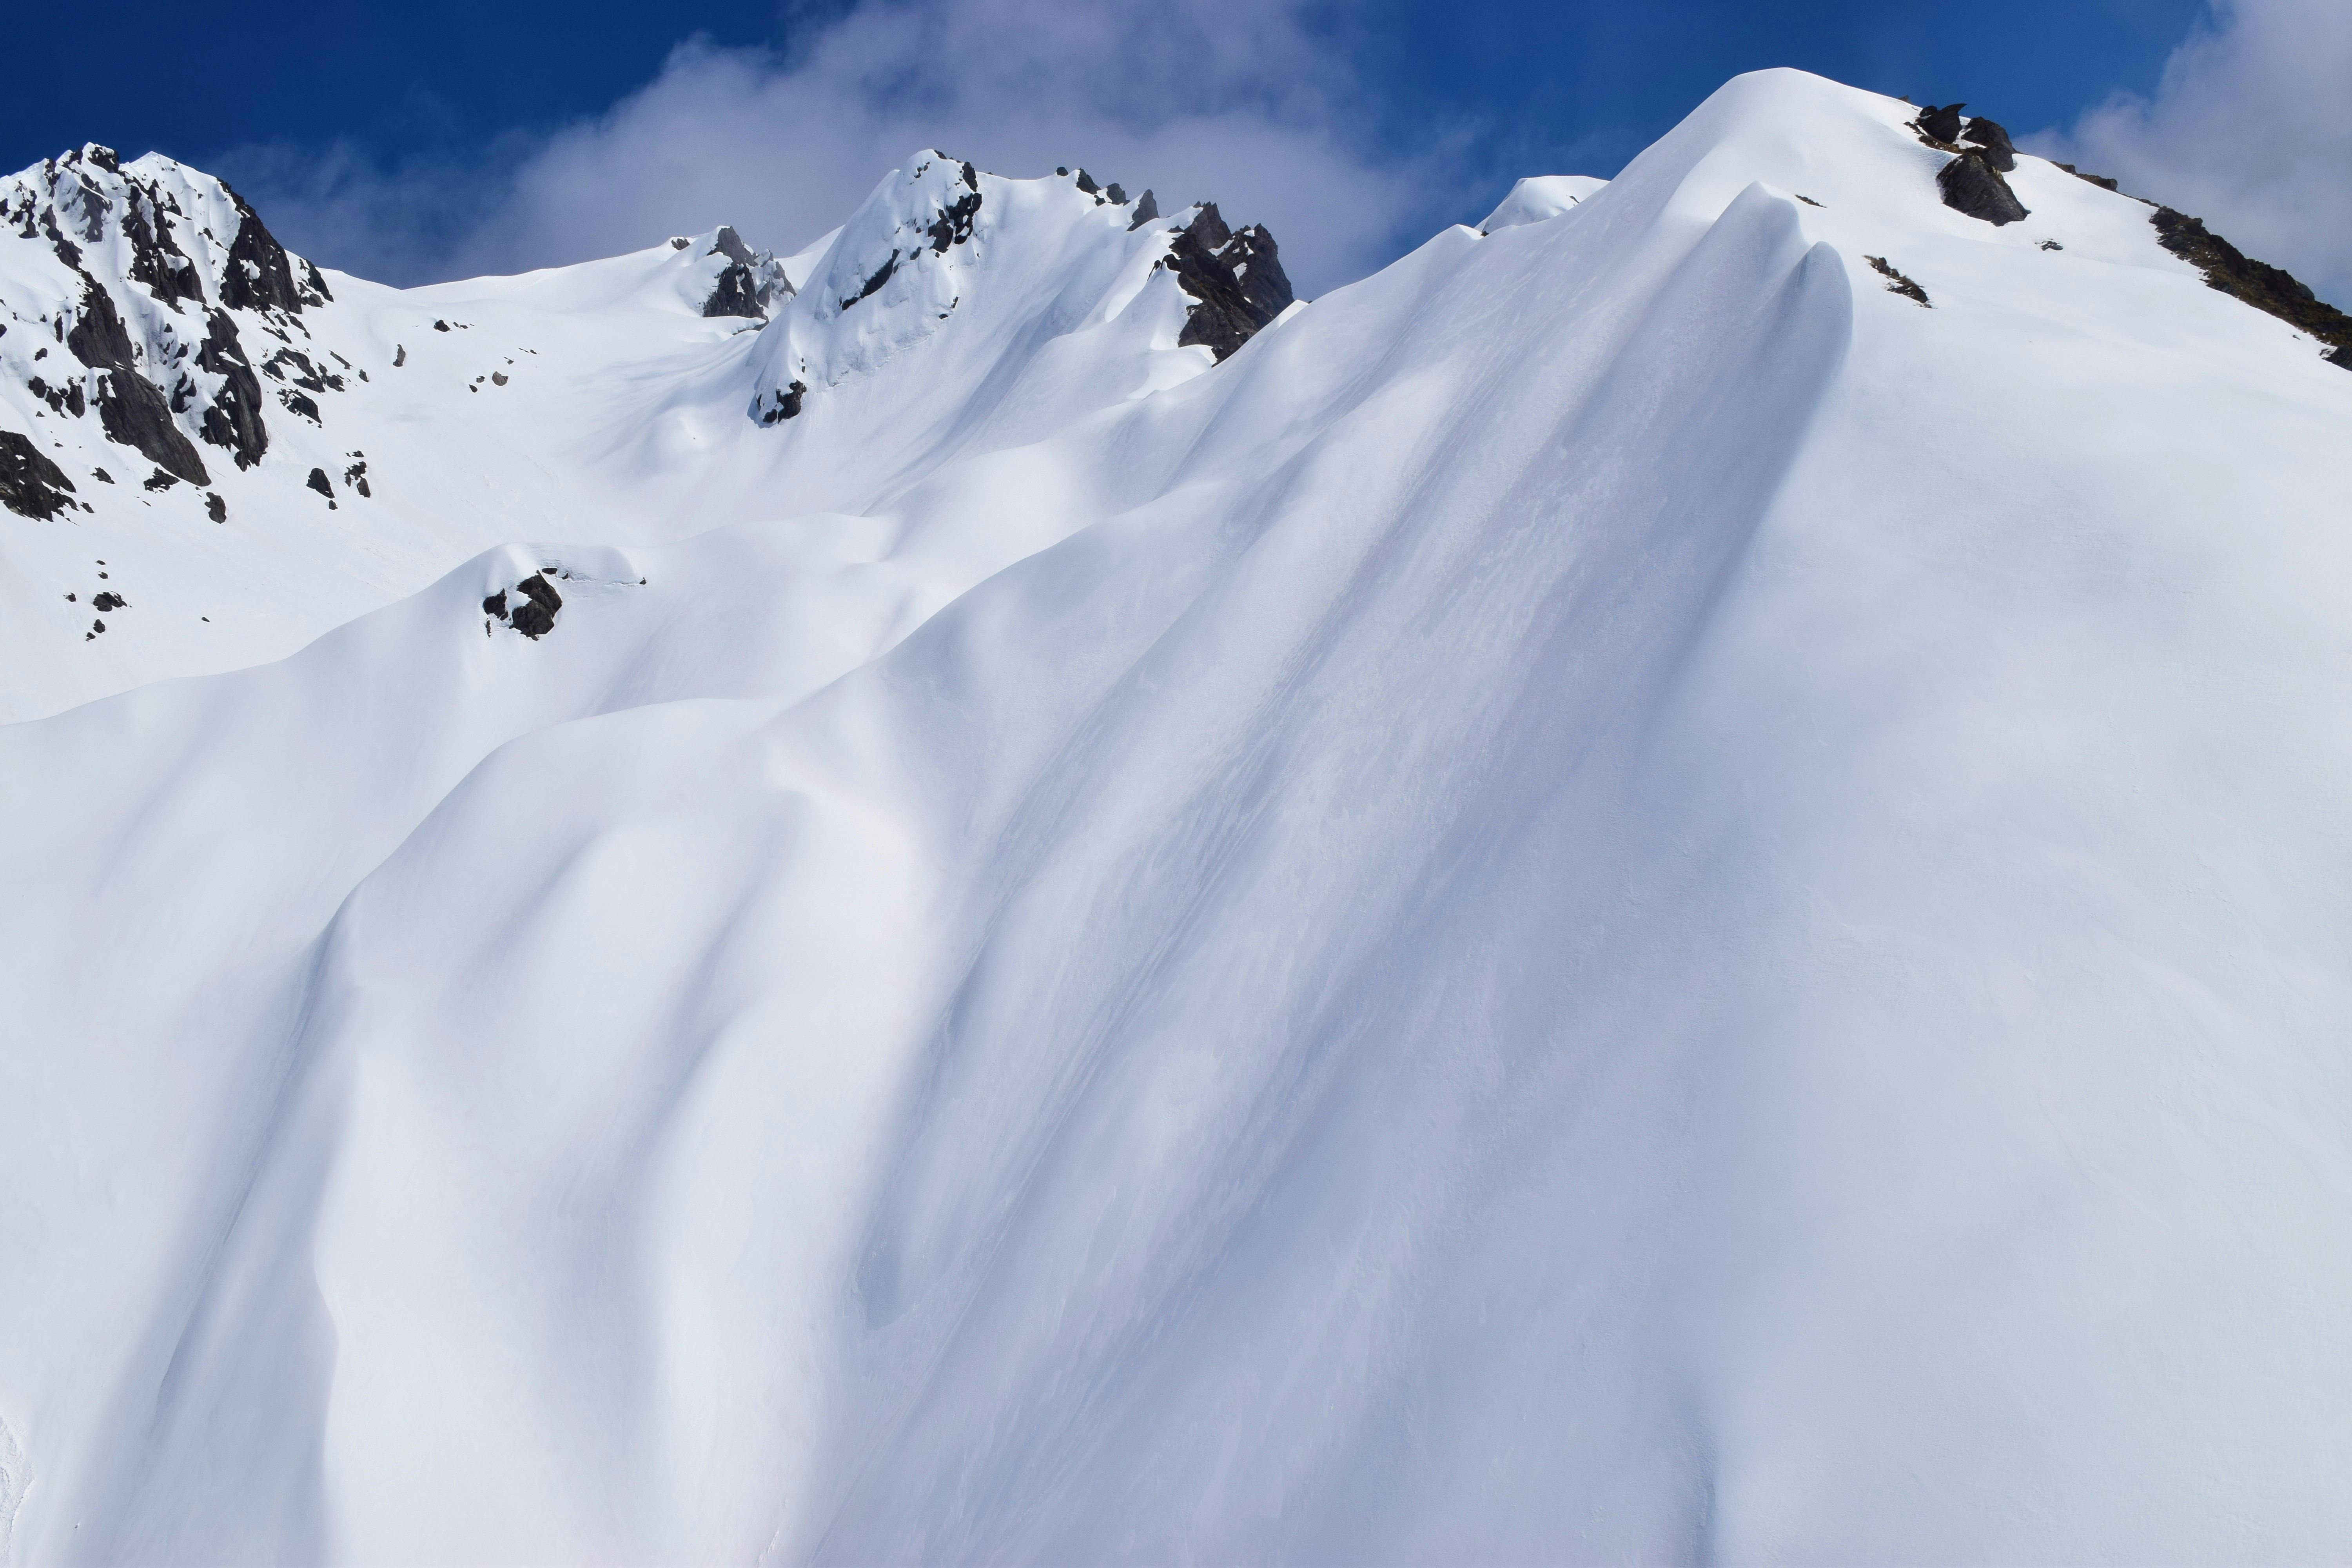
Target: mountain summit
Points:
(1667, 883)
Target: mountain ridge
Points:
(1620, 894)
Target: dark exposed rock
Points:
(1896, 282)
(66, 399)
(106, 603)
(215, 507)
(874, 282)
(134, 413)
(2265, 288)
(953, 225)
(158, 480)
(1943, 125)
(98, 339)
(537, 618)
(1974, 187)
(730, 244)
(291, 363)
(498, 378)
(355, 476)
(399, 355)
(1994, 139)
(101, 476)
(318, 481)
(129, 408)
(299, 403)
(1147, 208)
(30, 485)
(261, 275)
(1237, 278)
(1116, 194)
(95, 628)
(233, 420)
(156, 259)
(786, 404)
(440, 326)
(2101, 181)
(1086, 184)
(736, 294)
(496, 604)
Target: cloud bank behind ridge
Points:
(1243, 103)
(2250, 130)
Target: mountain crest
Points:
(938, 238)
(142, 271)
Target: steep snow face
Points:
(1624, 893)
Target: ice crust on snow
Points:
(1614, 897)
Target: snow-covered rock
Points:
(1620, 895)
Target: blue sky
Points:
(437, 138)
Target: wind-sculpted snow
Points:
(1614, 897)
(616, 402)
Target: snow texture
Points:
(1614, 897)
(1539, 197)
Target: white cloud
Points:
(2249, 130)
(1241, 103)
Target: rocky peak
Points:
(938, 235)
(1237, 277)
(150, 276)
(749, 284)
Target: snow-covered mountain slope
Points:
(1540, 196)
(1620, 894)
(251, 461)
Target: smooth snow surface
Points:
(1539, 197)
(1616, 897)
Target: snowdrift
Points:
(1620, 894)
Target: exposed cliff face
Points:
(1237, 278)
(153, 278)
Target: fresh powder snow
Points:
(1671, 883)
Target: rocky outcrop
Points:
(146, 272)
(1971, 185)
(1992, 140)
(2102, 180)
(234, 418)
(131, 409)
(750, 284)
(534, 614)
(2272, 289)
(1940, 124)
(1237, 278)
(31, 485)
(261, 275)
(1896, 283)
